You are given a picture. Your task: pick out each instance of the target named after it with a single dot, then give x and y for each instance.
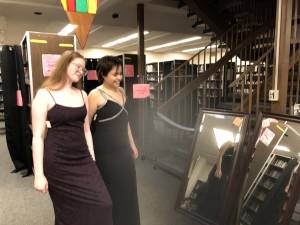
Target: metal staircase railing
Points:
(210, 70)
(254, 84)
(254, 97)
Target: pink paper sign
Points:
(141, 91)
(92, 75)
(129, 70)
(267, 122)
(49, 61)
(267, 137)
(19, 98)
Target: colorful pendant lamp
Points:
(82, 13)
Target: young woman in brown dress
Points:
(63, 152)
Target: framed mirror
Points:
(272, 187)
(215, 151)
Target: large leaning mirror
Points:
(270, 190)
(216, 144)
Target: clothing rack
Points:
(260, 196)
(290, 208)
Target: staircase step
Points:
(207, 31)
(191, 13)
(227, 105)
(241, 14)
(294, 96)
(197, 23)
(168, 152)
(171, 163)
(298, 21)
(181, 4)
(232, 4)
(180, 152)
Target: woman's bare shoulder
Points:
(94, 94)
(42, 94)
(123, 93)
(97, 96)
(122, 90)
(42, 91)
(80, 91)
(42, 98)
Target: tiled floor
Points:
(21, 205)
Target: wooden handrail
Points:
(251, 68)
(194, 56)
(195, 83)
(246, 99)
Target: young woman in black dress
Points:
(115, 149)
(63, 152)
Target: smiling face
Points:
(76, 70)
(114, 77)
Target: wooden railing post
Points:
(250, 93)
(282, 52)
(294, 40)
(258, 89)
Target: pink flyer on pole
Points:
(49, 61)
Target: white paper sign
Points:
(267, 137)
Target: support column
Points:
(282, 54)
(141, 75)
(141, 45)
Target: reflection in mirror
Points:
(270, 178)
(208, 174)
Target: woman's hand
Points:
(135, 152)
(218, 173)
(41, 184)
(93, 158)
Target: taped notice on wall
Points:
(267, 137)
(141, 91)
(49, 62)
(237, 121)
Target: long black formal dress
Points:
(211, 196)
(76, 187)
(115, 161)
(271, 209)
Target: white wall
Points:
(154, 57)
(161, 57)
(98, 53)
(150, 56)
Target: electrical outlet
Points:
(297, 110)
(273, 95)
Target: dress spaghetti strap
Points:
(104, 95)
(52, 96)
(108, 96)
(82, 97)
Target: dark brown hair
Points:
(105, 65)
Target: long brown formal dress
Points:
(76, 188)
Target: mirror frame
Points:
(224, 218)
(248, 160)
